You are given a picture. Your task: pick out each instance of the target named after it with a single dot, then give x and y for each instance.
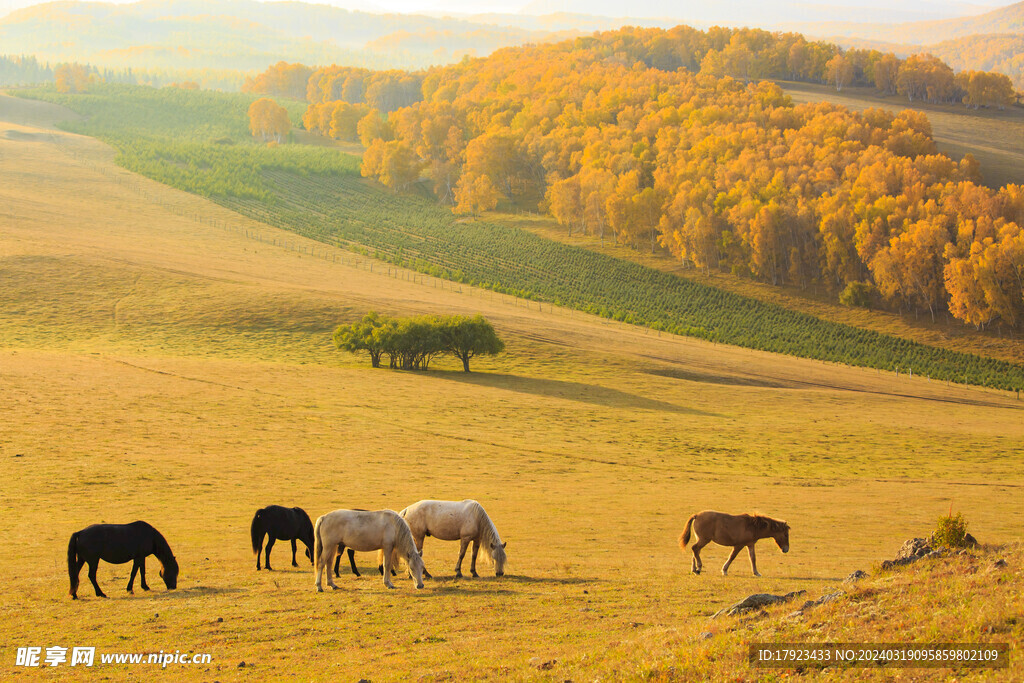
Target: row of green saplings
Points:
(411, 343)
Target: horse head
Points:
(781, 535)
(169, 573)
(498, 555)
(415, 561)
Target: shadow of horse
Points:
(572, 391)
(197, 591)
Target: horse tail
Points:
(256, 531)
(684, 538)
(318, 547)
(72, 562)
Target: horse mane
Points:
(766, 523)
(406, 544)
(488, 532)
(162, 552)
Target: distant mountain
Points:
(245, 35)
(760, 13)
(1008, 19)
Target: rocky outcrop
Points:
(756, 601)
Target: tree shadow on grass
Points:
(572, 391)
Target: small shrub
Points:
(858, 294)
(951, 532)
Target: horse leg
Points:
(735, 552)
(753, 560)
(388, 565)
(331, 557)
(294, 563)
(337, 561)
(131, 580)
(472, 563)
(259, 552)
(698, 565)
(352, 561)
(462, 554)
(270, 544)
(142, 574)
(93, 566)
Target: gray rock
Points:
(855, 577)
(970, 541)
(915, 547)
(706, 635)
(756, 601)
(999, 563)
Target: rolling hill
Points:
(1009, 19)
(243, 34)
(164, 358)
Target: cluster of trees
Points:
(281, 80)
(15, 70)
(1003, 53)
(22, 70)
(745, 54)
(608, 135)
(268, 120)
(338, 119)
(411, 343)
(72, 78)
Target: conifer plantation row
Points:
(320, 195)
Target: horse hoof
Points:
(131, 592)
(319, 589)
(475, 575)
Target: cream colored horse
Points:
(364, 531)
(739, 531)
(463, 521)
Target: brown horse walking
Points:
(739, 531)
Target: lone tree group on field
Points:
(411, 343)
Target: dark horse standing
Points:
(117, 544)
(278, 523)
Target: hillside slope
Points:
(166, 359)
(1009, 19)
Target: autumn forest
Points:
(675, 140)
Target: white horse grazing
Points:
(463, 521)
(364, 531)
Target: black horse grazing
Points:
(117, 544)
(278, 523)
(351, 562)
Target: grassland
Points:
(315, 193)
(166, 359)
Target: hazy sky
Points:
(643, 8)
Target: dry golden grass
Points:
(159, 363)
